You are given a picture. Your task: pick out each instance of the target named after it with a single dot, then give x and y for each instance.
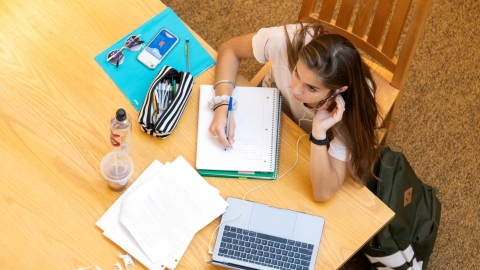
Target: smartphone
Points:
(322, 103)
(158, 48)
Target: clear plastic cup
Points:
(117, 168)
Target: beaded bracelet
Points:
(224, 81)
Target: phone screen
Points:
(162, 43)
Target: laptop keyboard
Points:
(264, 249)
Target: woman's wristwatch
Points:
(319, 142)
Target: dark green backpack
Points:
(407, 241)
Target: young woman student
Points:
(326, 89)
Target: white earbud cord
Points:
(296, 161)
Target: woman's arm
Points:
(230, 54)
(326, 172)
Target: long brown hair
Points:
(337, 63)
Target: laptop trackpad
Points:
(272, 221)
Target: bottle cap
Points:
(121, 115)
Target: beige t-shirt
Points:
(269, 44)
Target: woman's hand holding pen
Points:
(324, 120)
(219, 125)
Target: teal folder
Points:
(133, 78)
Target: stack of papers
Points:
(156, 218)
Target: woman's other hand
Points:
(324, 120)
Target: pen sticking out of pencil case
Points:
(165, 102)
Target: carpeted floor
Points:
(439, 120)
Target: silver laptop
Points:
(257, 236)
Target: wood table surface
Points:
(56, 104)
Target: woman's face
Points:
(307, 87)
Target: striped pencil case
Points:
(163, 105)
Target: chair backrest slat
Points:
(345, 13)
(418, 21)
(364, 14)
(396, 27)
(308, 7)
(326, 11)
(380, 21)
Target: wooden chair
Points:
(376, 27)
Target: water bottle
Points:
(121, 132)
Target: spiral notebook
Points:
(257, 135)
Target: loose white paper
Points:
(164, 214)
(157, 217)
(115, 231)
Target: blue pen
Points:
(228, 117)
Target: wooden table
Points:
(56, 103)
